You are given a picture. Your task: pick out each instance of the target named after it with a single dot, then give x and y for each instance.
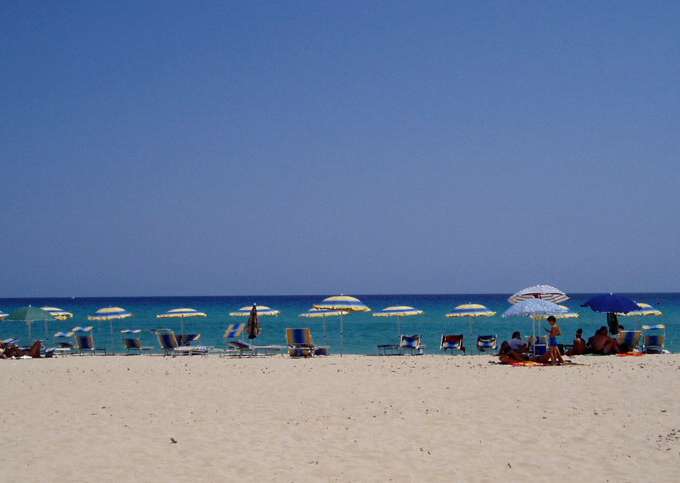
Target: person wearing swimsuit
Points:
(554, 355)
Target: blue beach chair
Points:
(234, 331)
(132, 341)
(412, 343)
(84, 341)
(301, 343)
(654, 338)
(453, 342)
(629, 340)
(171, 346)
(486, 343)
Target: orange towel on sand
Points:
(630, 354)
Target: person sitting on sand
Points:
(579, 347)
(7, 351)
(517, 344)
(602, 344)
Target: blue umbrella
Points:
(611, 303)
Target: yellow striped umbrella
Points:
(567, 315)
(344, 303)
(471, 310)
(646, 310)
(181, 313)
(57, 313)
(398, 311)
(261, 310)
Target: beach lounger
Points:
(234, 331)
(412, 343)
(301, 344)
(64, 343)
(84, 341)
(170, 345)
(132, 341)
(654, 338)
(241, 349)
(453, 342)
(486, 343)
(629, 339)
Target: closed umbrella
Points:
(398, 311)
(254, 328)
(29, 315)
(611, 304)
(181, 313)
(543, 292)
(344, 303)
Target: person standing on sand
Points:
(554, 355)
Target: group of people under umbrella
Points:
(537, 302)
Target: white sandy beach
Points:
(339, 419)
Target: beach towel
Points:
(630, 354)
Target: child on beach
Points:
(554, 355)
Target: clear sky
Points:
(321, 147)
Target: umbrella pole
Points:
(342, 336)
(111, 331)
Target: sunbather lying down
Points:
(7, 351)
(508, 356)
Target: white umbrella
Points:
(110, 314)
(344, 303)
(181, 313)
(398, 311)
(536, 309)
(543, 292)
(315, 313)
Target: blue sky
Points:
(323, 147)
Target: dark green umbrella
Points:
(29, 315)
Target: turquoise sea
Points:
(362, 332)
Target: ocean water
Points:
(362, 331)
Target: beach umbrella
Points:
(260, 309)
(611, 304)
(57, 313)
(344, 303)
(181, 313)
(29, 315)
(254, 328)
(110, 314)
(537, 309)
(543, 292)
(471, 310)
(398, 311)
(570, 314)
(315, 313)
(645, 310)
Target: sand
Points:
(356, 418)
